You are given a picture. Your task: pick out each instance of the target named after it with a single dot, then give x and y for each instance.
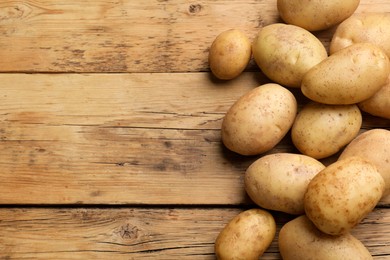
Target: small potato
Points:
(374, 146)
(314, 15)
(300, 239)
(364, 27)
(379, 103)
(229, 54)
(258, 120)
(349, 76)
(279, 181)
(286, 52)
(322, 130)
(246, 236)
(342, 194)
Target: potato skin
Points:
(314, 15)
(374, 146)
(361, 69)
(229, 54)
(300, 239)
(363, 27)
(246, 236)
(258, 120)
(342, 194)
(279, 181)
(285, 53)
(321, 130)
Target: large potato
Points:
(342, 194)
(300, 239)
(379, 103)
(229, 54)
(322, 130)
(314, 15)
(374, 146)
(286, 52)
(364, 27)
(279, 181)
(349, 76)
(246, 236)
(258, 120)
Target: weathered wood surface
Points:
(127, 36)
(141, 233)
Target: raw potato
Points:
(300, 239)
(314, 15)
(365, 27)
(342, 194)
(379, 103)
(349, 76)
(229, 54)
(246, 236)
(322, 130)
(279, 181)
(286, 52)
(259, 119)
(374, 146)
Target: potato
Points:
(286, 52)
(322, 130)
(374, 146)
(342, 194)
(314, 15)
(365, 27)
(246, 236)
(349, 76)
(229, 54)
(258, 120)
(279, 181)
(300, 239)
(379, 103)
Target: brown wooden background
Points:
(110, 129)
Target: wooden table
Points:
(110, 129)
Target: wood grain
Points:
(141, 233)
(128, 36)
(123, 139)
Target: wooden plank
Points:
(122, 139)
(128, 36)
(141, 233)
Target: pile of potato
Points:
(330, 200)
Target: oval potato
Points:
(285, 53)
(363, 27)
(229, 54)
(321, 130)
(258, 120)
(349, 76)
(342, 194)
(246, 236)
(374, 146)
(279, 181)
(300, 239)
(314, 15)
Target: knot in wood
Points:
(194, 8)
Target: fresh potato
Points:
(258, 120)
(286, 52)
(364, 27)
(374, 146)
(349, 76)
(322, 130)
(379, 103)
(342, 194)
(300, 239)
(279, 181)
(246, 236)
(229, 54)
(314, 15)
